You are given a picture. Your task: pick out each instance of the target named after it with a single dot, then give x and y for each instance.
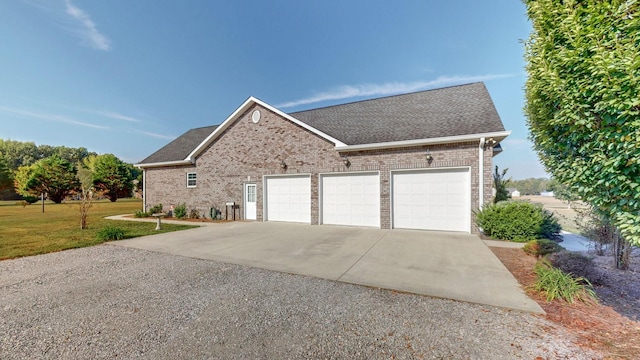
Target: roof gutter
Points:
(497, 136)
(165, 163)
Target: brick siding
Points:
(247, 151)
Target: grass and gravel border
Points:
(26, 230)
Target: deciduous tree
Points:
(111, 176)
(583, 101)
(54, 176)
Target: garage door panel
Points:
(432, 200)
(288, 199)
(350, 199)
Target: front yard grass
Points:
(26, 231)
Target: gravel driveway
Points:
(108, 301)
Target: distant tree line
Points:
(28, 170)
(532, 186)
(20, 153)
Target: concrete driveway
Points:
(441, 264)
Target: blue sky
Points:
(126, 77)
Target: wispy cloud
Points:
(117, 116)
(86, 28)
(352, 91)
(51, 117)
(75, 20)
(102, 113)
(155, 135)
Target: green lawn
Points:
(28, 231)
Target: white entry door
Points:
(250, 201)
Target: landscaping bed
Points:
(610, 326)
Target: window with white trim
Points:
(191, 180)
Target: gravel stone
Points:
(113, 302)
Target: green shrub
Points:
(541, 247)
(550, 227)
(141, 214)
(557, 284)
(180, 211)
(109, 233)
(155, 209)
(518, 221)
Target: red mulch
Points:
(596, 326)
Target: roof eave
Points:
(164, 164)
(497, 136)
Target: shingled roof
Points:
(440, 113)
(181, 147)
(452, 111)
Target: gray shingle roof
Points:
(457, 110)
(452, 111)
(181, 147)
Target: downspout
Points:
(481, 174)
(144, 190)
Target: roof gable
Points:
(188, 146)
(241, 110)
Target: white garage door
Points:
(351, 199)
(432, 199)
(288, 198)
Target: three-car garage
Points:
(425, 199)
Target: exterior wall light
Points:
(489, 143)
(283, 165)
(346, 161)
(429, 157)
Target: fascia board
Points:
(497, 136)
(165, 163)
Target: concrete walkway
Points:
(441, 264)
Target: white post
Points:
(481, 174)
(144, 190)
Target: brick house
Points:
(416, 161)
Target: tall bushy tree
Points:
(18, 153)
(564, 193)
(111, 176)
(54, 176)
(583, 101)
